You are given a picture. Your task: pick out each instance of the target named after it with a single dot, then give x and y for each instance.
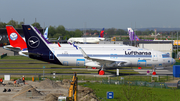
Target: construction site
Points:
(46, 90)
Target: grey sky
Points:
(95, 13)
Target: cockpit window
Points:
(165, 55)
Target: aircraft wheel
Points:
(101, 72)
(154, 73)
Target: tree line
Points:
(55, 32)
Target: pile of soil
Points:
(9, 84)
(87, 98)
(86, 94)
(65, 83)
(47, 84)
(27, 89)
(84, 90)
(51, 97)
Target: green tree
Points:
(51, 31)
(121, 32)
(57, 35)
(111, 31)
(2, 25)
(36, 24)
(13, 23)
(60, 29)
(20, 25)
(77, 33)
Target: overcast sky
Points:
(93, 13)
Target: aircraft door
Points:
(80, 62)
(51, 55)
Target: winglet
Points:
(84, 54)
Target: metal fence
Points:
(136, 83)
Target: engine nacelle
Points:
(92, 64)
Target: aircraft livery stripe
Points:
(90, 55)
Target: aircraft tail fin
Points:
(33, 38)
(132, 36)
(14, 38)
(101, 33)
(46, 34)
(37, 46)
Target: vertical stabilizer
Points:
(101, 33)
(46, 34)
(132, 36)
(14, 38)
(38, 47)
(130, 32)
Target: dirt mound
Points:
(86, 94)
(88, 98)
(66, 81)
(51, 97)
(85, 90)
(28, 91)
(48, 84)
(9, 84)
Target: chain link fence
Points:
(136, 83)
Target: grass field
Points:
(133, 93)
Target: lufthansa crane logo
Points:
(13, 36)
(33, 42)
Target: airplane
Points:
(100, 57)
(17, 43)
(133, 36)
(88, 39)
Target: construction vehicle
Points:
(73, 89)
(113, 39)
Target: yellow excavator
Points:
(73, 89)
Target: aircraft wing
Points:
(9, 47)
(104, 61)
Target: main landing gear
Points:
(154, 72)
(101, 72)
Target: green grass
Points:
(133, 93)
(16, 58)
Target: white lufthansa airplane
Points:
(90, 40)
(101, 57)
